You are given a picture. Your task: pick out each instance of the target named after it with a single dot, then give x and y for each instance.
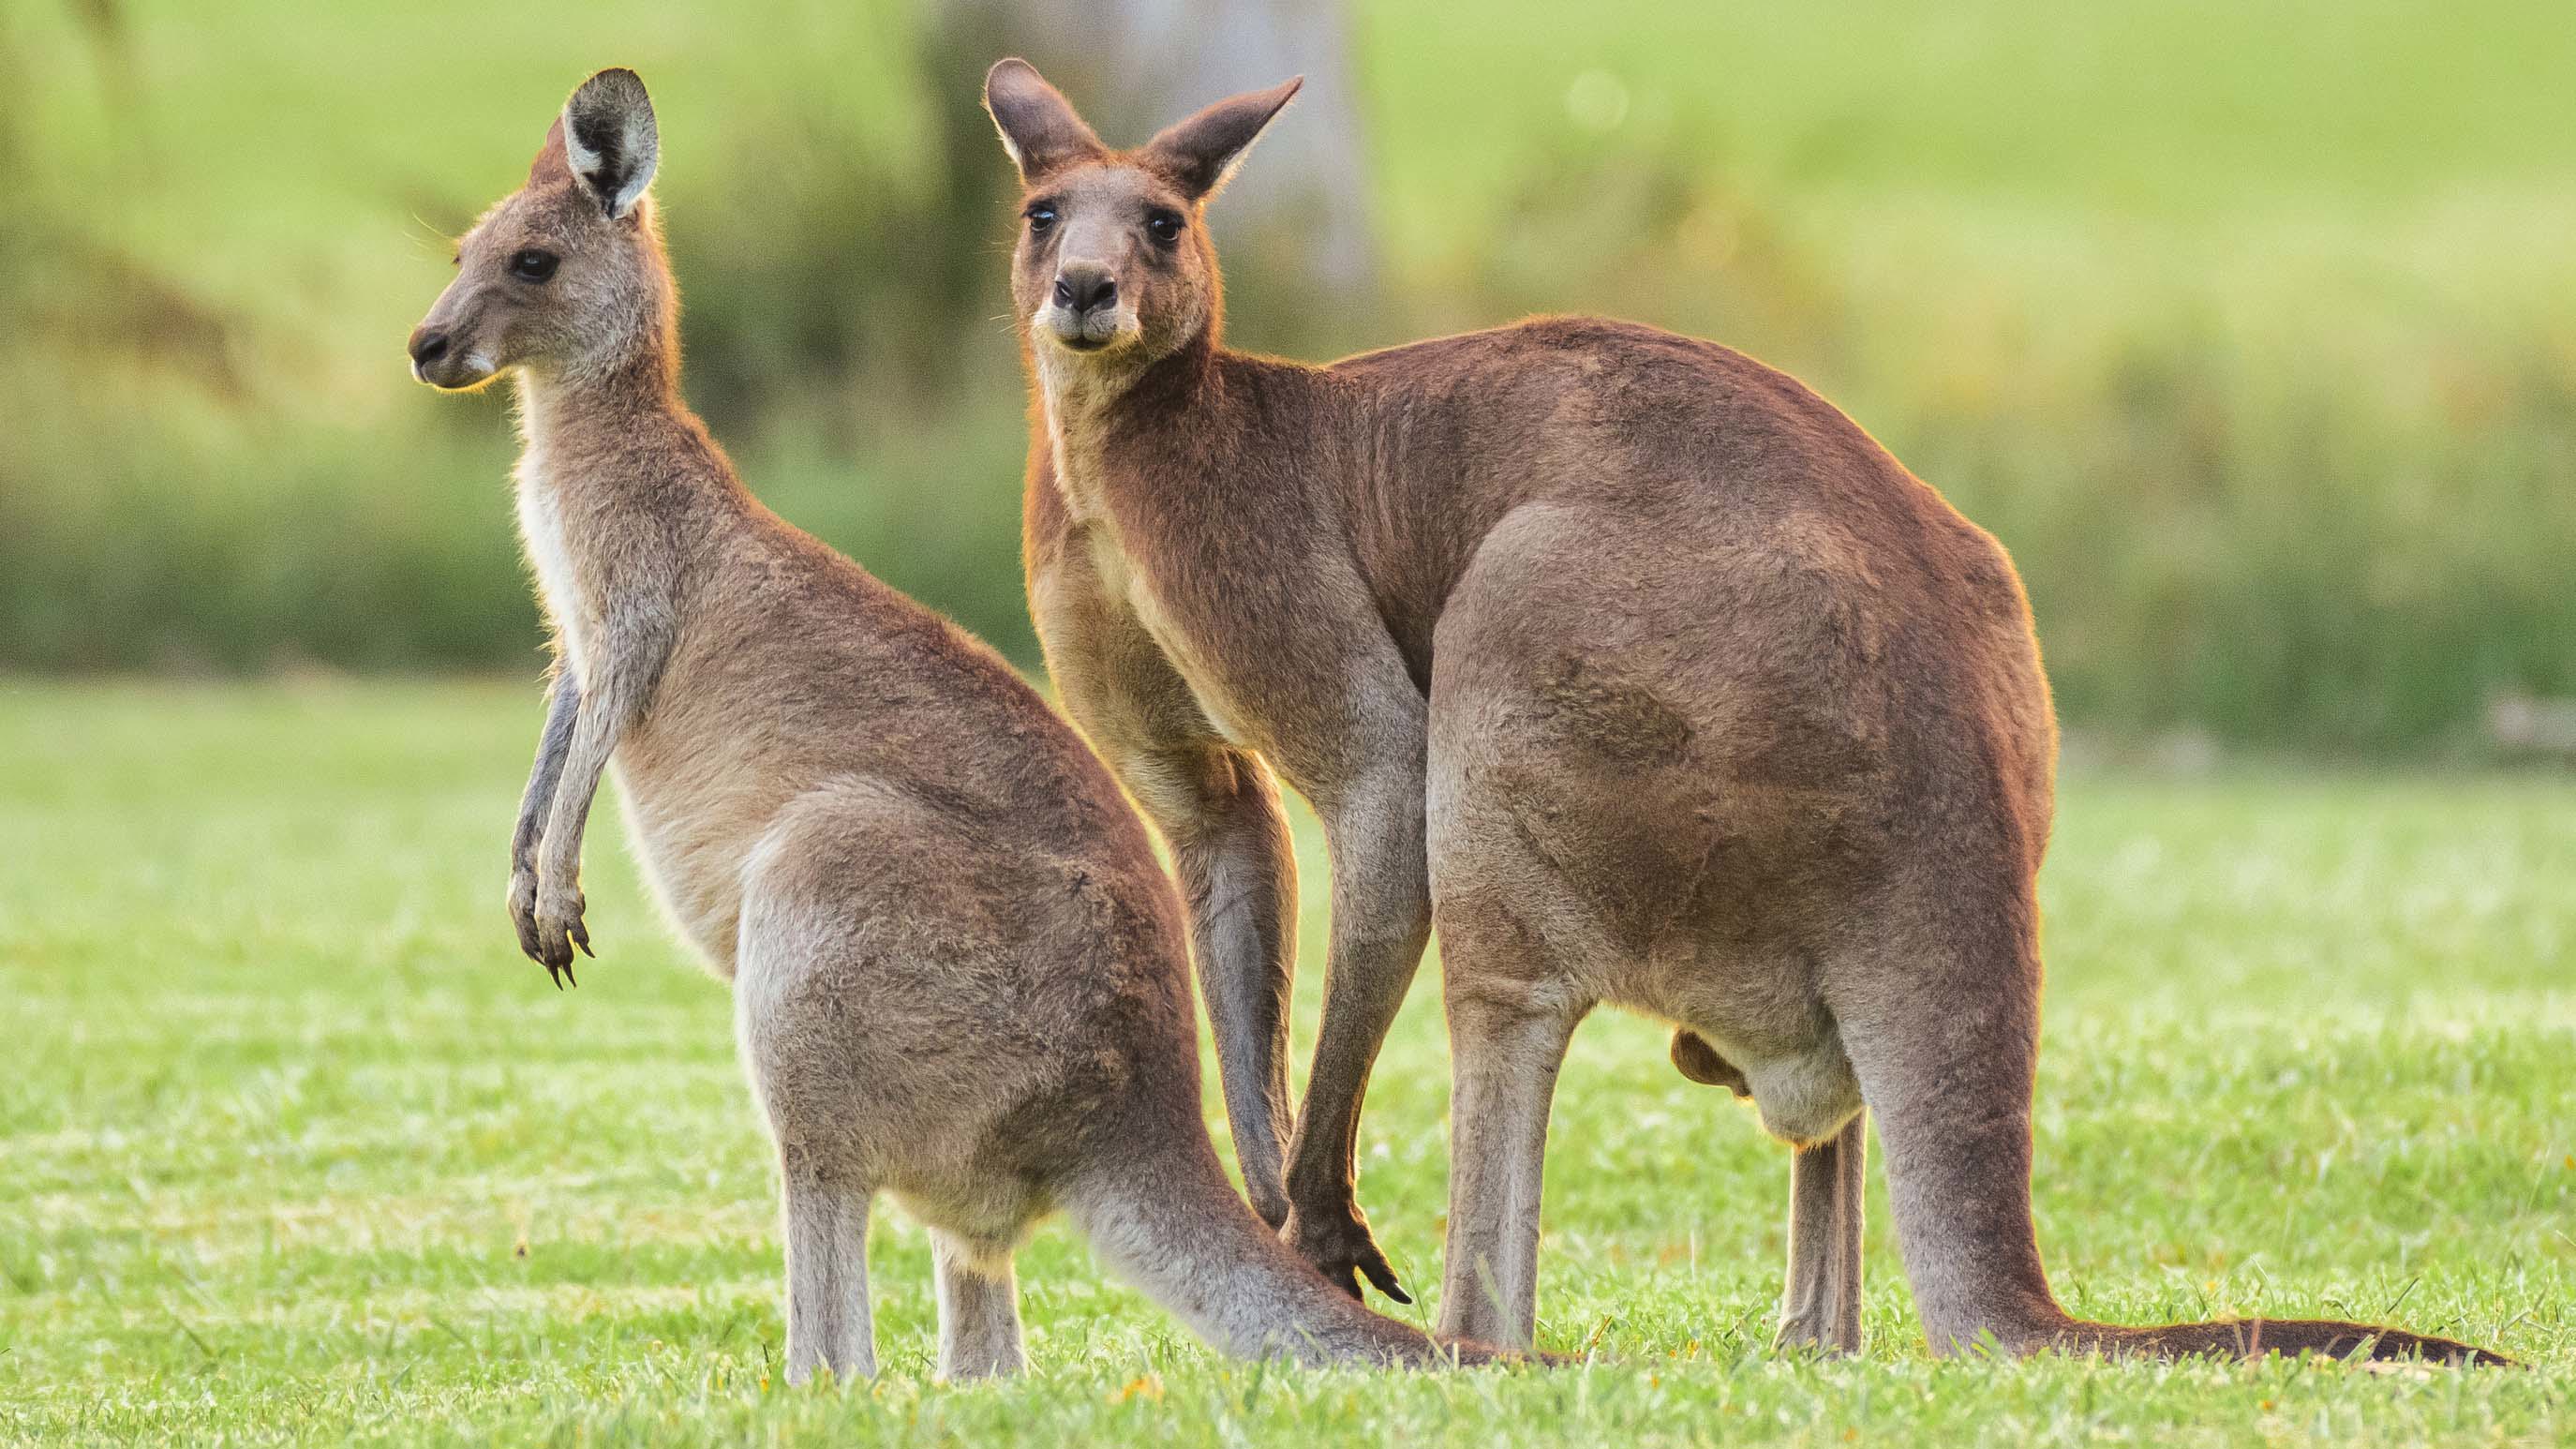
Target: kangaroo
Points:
(958, 969)
(1629, 662)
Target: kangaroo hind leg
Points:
(1939, 1016)
(828, 1321)
(1510, 1021)
(1820, 1307)
(979, 1310)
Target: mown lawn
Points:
(295, 1147)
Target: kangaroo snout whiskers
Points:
(958, 969)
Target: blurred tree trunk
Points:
(1296, 228)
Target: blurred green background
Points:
(2249, 327)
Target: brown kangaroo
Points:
(958, 969)
(1628, 660)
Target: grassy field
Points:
(294, 1147)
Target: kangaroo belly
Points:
(693, 817)
(693, 868)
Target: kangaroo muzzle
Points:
(1085, 309)
(448, 351)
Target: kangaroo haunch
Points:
(1630, 663)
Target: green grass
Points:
(294, 1147)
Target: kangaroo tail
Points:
(1946, 1052)
(2255, 1337)
(1173, 1227)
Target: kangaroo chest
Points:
(541, 533)
(1269, 632)
(1125, 583)
(1200, 661)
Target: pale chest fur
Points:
(1068, 395)
(541, 533)
(1128, 587)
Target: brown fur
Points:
(957, 966)
(1645, 670)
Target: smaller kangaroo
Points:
(958, 969)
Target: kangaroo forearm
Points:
(1240, 874)
(612, 697)
(1376, 951)
(1364, 988)
(594, 740)
(1381, 923)
(1242, 884)
(1820, 1306)
(554, 743)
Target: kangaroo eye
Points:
(1164, 227)
(1041, 220)
(533, 265)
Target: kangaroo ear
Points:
(1039, 126)
(610, 141)
(550, 164)
(1202, 152)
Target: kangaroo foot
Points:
(1337, 1241)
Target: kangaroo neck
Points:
(595, 408)
(1118, 436)
(616, 436)
(619, 489)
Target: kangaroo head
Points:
(1112, 261)
(566, 273)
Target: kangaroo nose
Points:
(1085, 289)
(427, 346)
